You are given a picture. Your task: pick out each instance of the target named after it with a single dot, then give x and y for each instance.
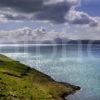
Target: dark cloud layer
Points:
(28, 6)
(54, 12)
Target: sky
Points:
(90, 6)
(75, 19)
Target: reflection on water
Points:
(79, 66)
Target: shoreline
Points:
(65, 95)
(35, 85)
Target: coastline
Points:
(65, 95)
(19, 81)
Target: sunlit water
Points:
(65, 64)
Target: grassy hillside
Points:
(20, 82)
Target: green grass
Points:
(20, 82)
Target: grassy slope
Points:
(20, 82)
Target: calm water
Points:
(67, 64)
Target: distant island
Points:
(20, 82)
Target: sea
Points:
(77, 64)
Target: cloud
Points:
(28, 35)
(25, 35)
(23, 5)
(76, 17)
(3, 19)
(56, 11)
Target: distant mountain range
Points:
(69, 41)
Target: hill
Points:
(20, 82)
